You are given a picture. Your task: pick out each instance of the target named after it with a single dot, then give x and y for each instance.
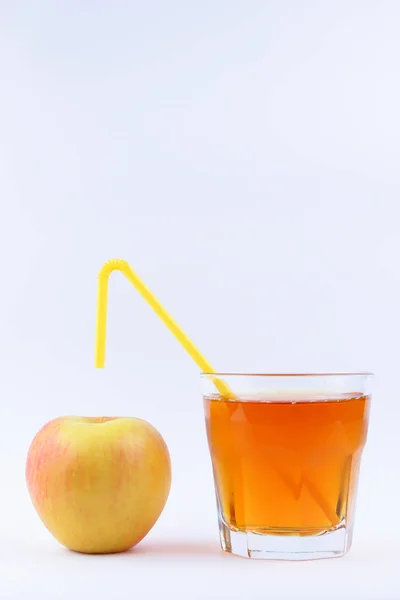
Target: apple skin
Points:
(98, 484)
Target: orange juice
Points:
(286, 467)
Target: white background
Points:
(243, 156)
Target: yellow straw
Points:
(101, 321)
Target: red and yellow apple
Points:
(98, 484)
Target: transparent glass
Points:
(286, 452)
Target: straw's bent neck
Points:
(115, 264)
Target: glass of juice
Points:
(286, 452)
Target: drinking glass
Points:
(286, 452)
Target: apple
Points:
(98, 484)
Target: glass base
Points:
(330, 544)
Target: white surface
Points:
(181, 558)
(243, 156)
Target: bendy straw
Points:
(101, 322)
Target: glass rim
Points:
(331, 374)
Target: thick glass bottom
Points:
(329, 544)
